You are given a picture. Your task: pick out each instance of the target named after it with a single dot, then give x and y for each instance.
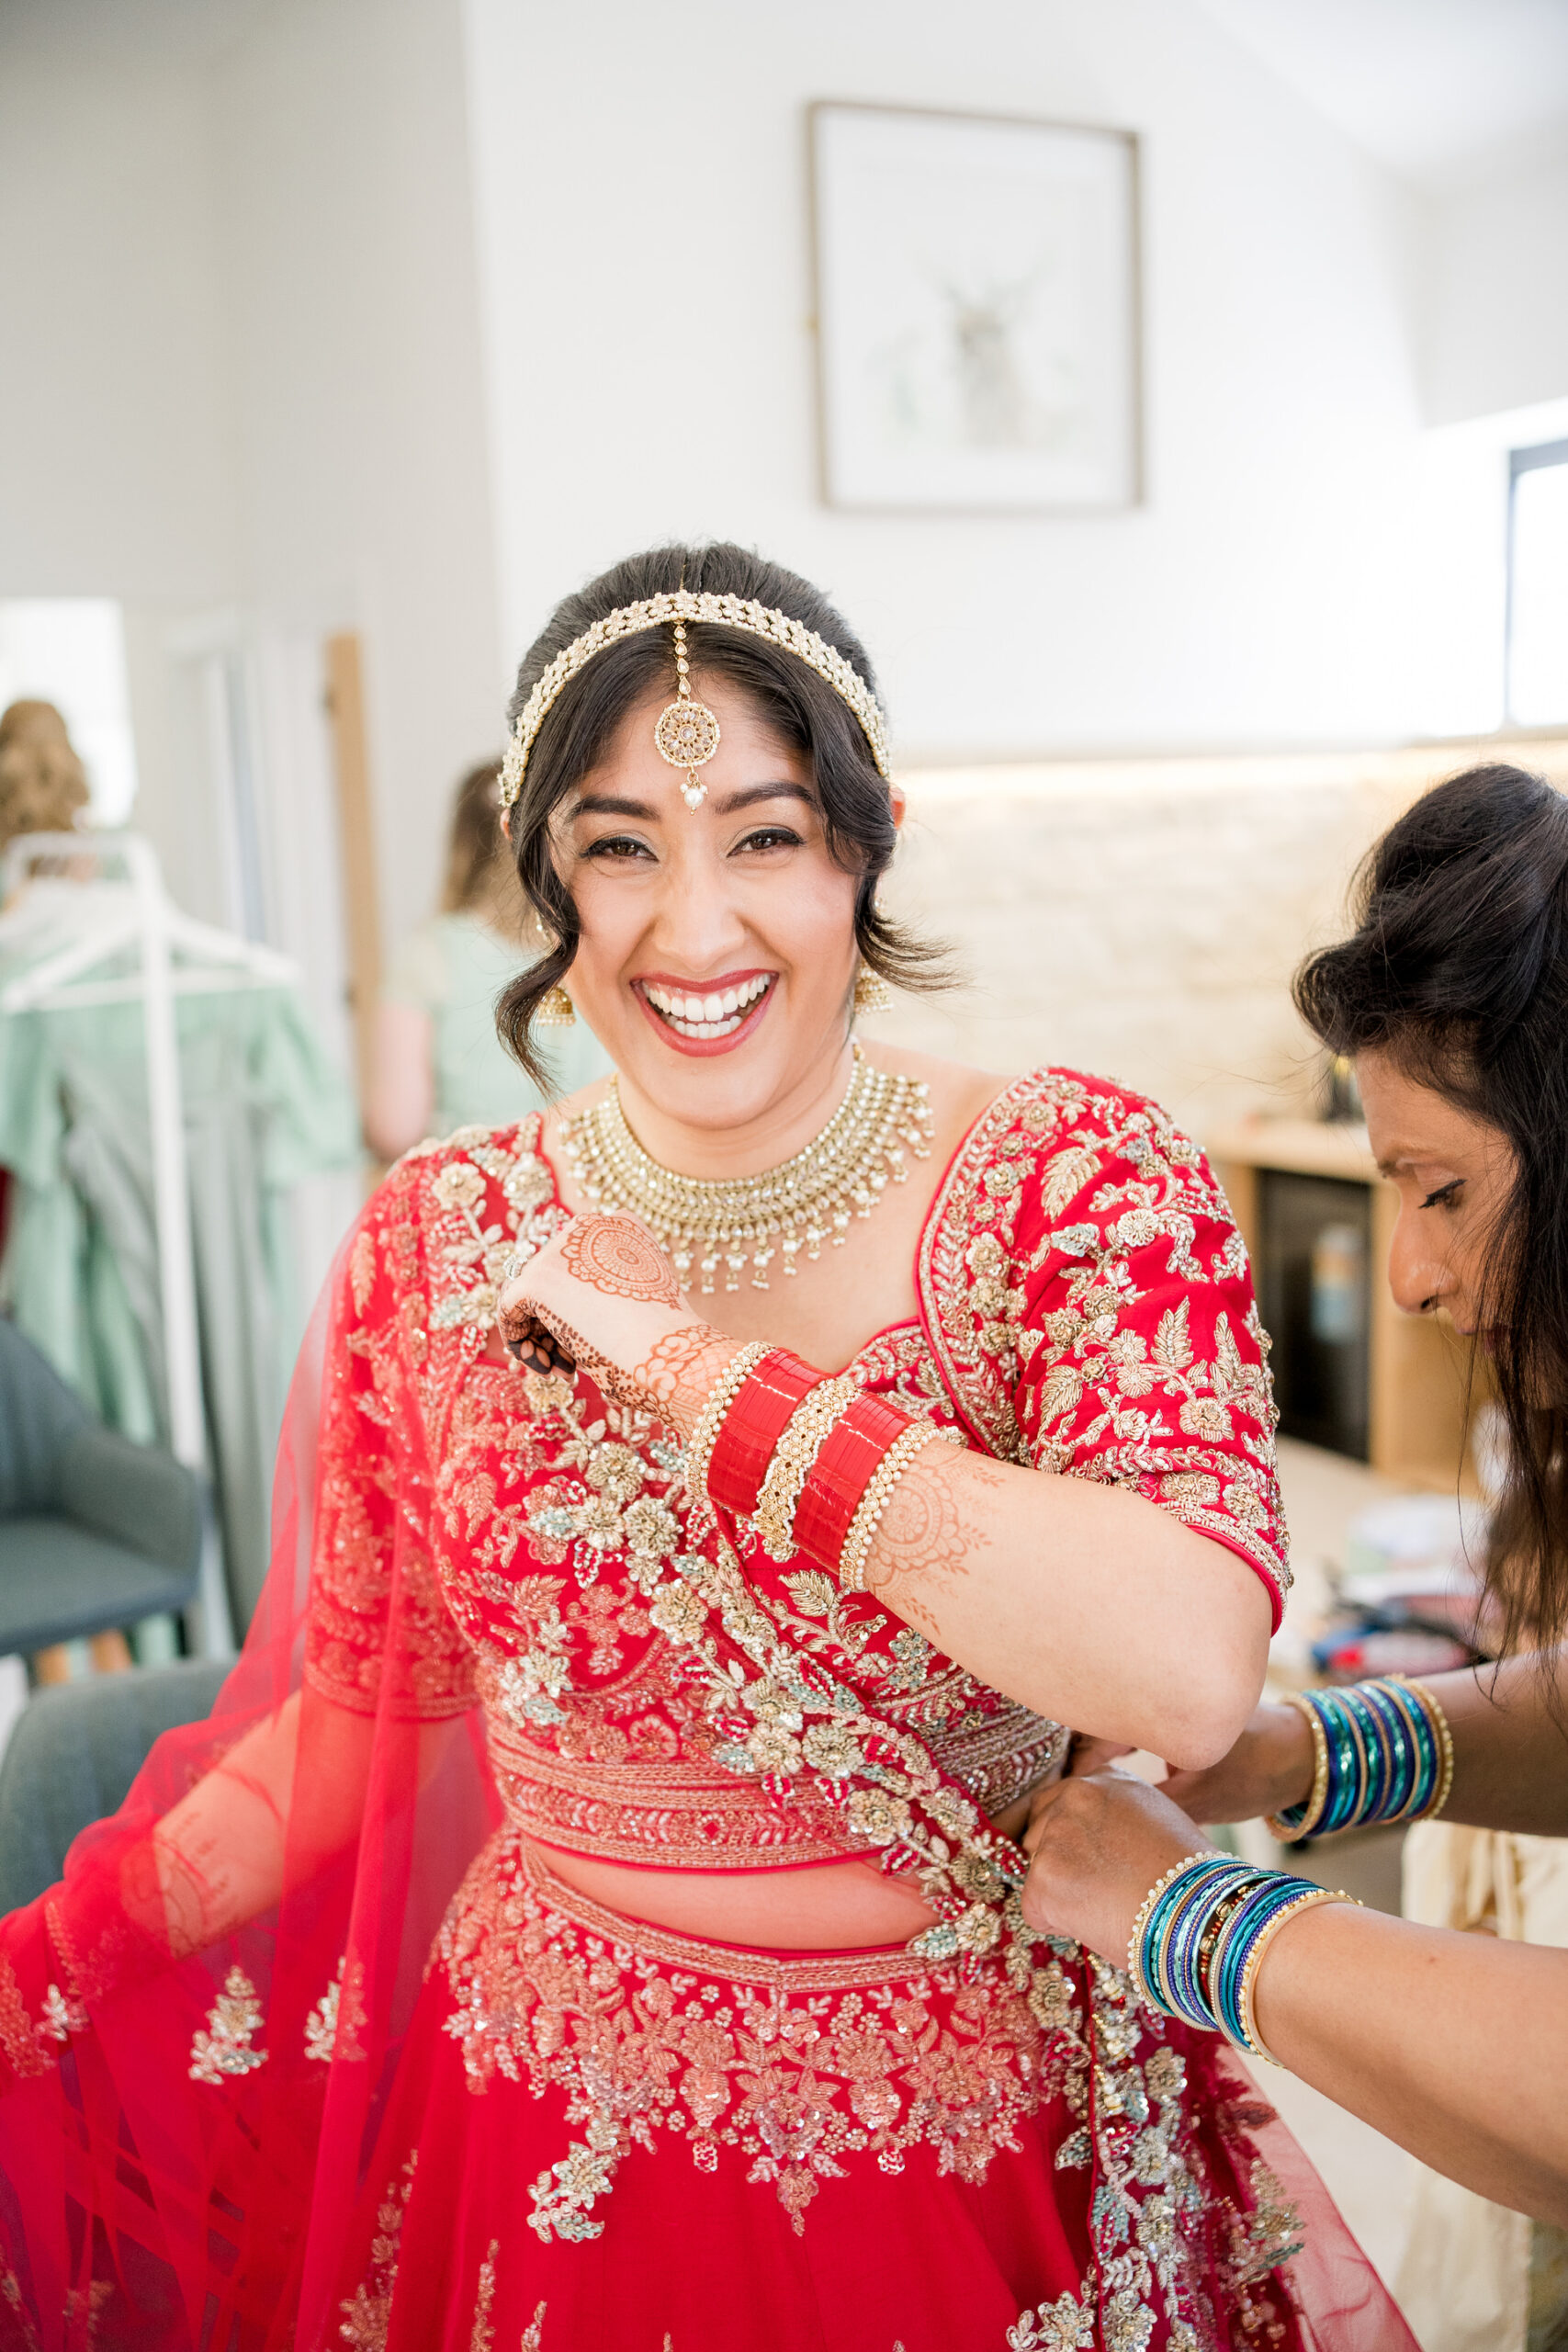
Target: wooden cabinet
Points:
(1418, 1368)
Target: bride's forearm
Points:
(1086, 1603)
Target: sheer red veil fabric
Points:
(187, 2113)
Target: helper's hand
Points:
(1269, 1767)
(1096, 1846)
(603, 1296)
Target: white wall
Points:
(1496, 331)
(1143, 918)
(242, 387)
(364, 489)
(115, 460)
(1254, 598)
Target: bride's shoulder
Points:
(1039, 1114)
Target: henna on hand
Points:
(679, 1371)
(543, 1341)
(615, 1256)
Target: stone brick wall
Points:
(1141, 919)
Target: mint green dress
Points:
(453, 968)
(264, 1107)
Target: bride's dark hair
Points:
(1459, 967)
(799, 706)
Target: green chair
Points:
(94, 1531)
(75, 1751)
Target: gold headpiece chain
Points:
(687, 723)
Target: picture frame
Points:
(978, 313)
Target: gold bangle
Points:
(1141, 1919)
(804, 1435)
(855, 1554)
(1434, 1707)
(1254, 2044)
(721, 1396)
(1280, 1829)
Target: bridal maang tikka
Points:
(686, 732)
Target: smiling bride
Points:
(591, 1916)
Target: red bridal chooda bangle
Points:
(812, 1460)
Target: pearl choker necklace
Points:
(728, 1221)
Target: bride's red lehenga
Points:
(433, 2096)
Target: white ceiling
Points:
(1429, 87)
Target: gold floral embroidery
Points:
(225, 2047)
(1066, 2326)
(483, 2336)
(795, 2064)
(19, 2043)
(334, 2025)
(1062, 1395)
(367, 2313)
(534, 2333)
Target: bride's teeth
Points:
(731, 1002)
(713, 1008)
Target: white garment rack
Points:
(96, 923)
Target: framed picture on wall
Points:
(977, 312)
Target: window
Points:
(1538, 585)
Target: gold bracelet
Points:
(1440, 1721)
(854, 1557)
(804, 1435)
(721, 1396)
(1275, 1824)
(1141, 1918)
(1254, 2044)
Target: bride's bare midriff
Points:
(827, 1906)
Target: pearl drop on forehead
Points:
(686, 732)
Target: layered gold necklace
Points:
(723, 1224)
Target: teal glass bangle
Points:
(1382, 1753)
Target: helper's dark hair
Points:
(801, 706)
(1459, 967)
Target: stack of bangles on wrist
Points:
(1200, 1936)
(1381, 1752)
(812, 1460)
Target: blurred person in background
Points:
(1452, 997)
(43, 788)
(439, 1064)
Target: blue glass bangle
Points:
(1396, 1738)
(1376, 1787)
(1169, 1938)
(1148, 1953)
(1277, 1894)
(1183, 1964)
(1425, 1746)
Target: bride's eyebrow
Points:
(735, 801)
(611, 804)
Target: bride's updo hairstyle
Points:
(800, 706)
(1458, 970)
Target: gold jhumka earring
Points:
(686, 732)
(872, 991)
(555, 1009)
